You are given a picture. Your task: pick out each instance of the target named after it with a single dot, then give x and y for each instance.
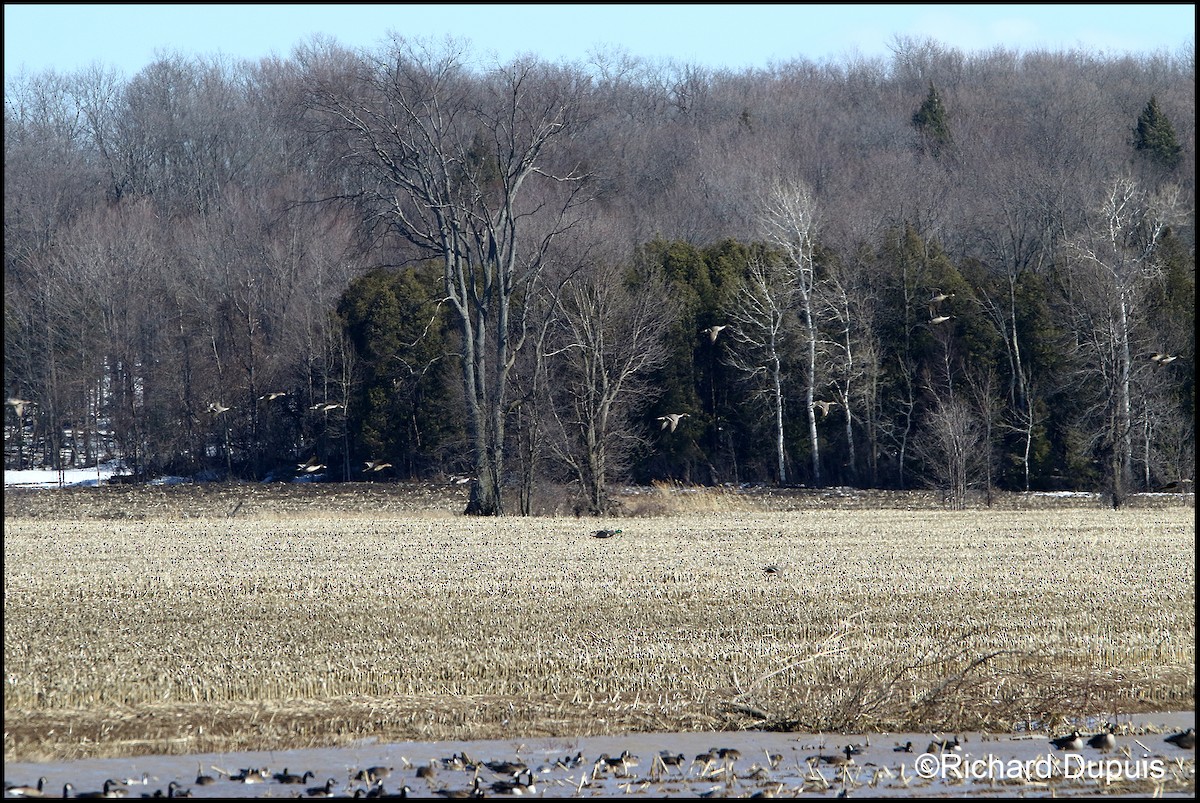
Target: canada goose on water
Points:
(605, 533)
(713, 331)
(840, 760)
(1072, 741)
(944, 746)
(322, 791)
(109, 792)
(290, 777)
(907, 747)
(175, 789)
(672, 420)
(517, 786)
(1185, 740)
(476, 790)
(374, 774)
(252, 775)
(670, 759)
(202, 779)
(28, 791)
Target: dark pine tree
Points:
(1155, 136)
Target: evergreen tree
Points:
(1155, 136)
(932, 121)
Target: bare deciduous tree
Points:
(610, 336)
(788, 218)
(450, 162)
(759, 315)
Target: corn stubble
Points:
(179, 635)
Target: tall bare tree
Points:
(758, 316)
(788, 218)
(462, 168)
(1116, 258)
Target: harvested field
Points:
(181, 620)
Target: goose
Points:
(109, 792)
(713, 331)
(1072, 742)
(19, 406)
(672, 420)
(374, 774)
(771, 570)
(202, 779)
(939, 297)
(290, 777)
(175, 789)
(1105, 740)
(427, 771)
(842, 759)
(516, 786)
(375, 465)
(325, 407)
(322, 791)
(476, 790)
(824, 406)
(1185, 740)
(1165, 359)
(272, 396)
(670, 759)
(506, 767)
(28, 791)
(216, 408)
(907, 747)
(251, 775)
(606, 533)
(940, 319)
(944, 746)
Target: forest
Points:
(939, 269)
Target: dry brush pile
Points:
(172, 634)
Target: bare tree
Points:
(611, 335)
(1117, 256)
(452, 165)
(952, 445)
(788, 218)
(759, 314)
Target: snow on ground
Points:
(74, 477)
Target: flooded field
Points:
(725, 764)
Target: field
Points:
(178, 620)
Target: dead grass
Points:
(304, 620)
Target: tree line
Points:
(966, 271)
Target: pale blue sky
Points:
(67, 37)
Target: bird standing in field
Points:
(672, 420)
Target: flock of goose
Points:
(461, 776)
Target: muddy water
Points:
(779, 764)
